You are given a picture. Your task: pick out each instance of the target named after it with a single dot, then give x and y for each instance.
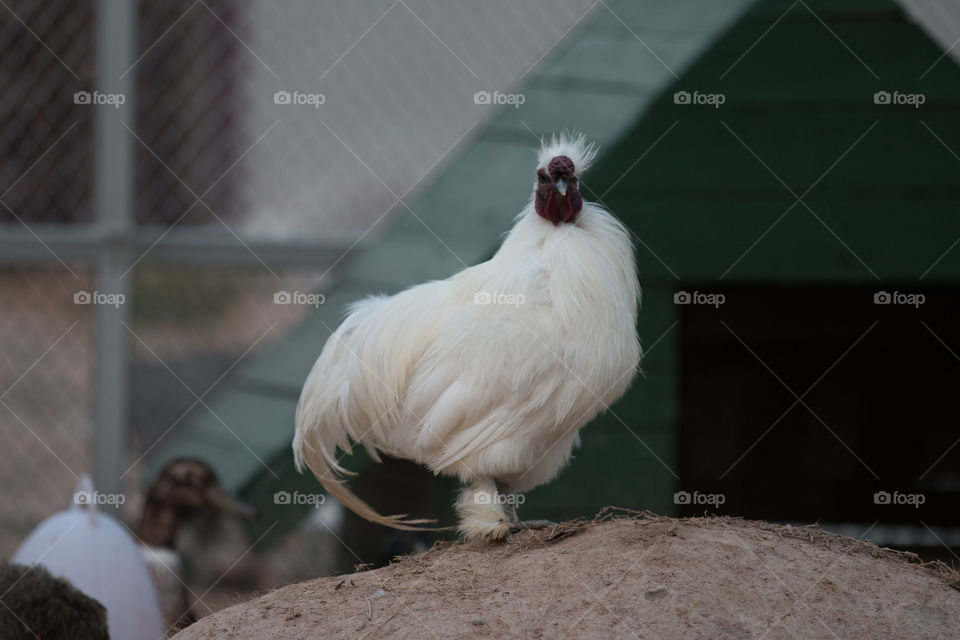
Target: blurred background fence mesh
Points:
(252, 120)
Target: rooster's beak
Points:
(562, 187)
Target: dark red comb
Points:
(561, 167)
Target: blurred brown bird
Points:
(184, 487)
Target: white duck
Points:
(99, 557)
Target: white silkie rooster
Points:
(490, 374)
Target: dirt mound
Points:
(620, 576)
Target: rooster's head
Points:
(557, 196)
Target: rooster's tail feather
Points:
(326, 471)
(349, 398)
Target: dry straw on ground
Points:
(623, 575)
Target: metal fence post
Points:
(113, 201)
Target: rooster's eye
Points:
(542, 178)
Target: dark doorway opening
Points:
(874, 439)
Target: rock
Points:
(650, 577)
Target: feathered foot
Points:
(487, 511)
(482, 512)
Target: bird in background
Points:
(184, 487)
(134, 583)
(37, 604)
(490, 374)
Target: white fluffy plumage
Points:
(488, 375)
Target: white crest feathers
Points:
(573, 145)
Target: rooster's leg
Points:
(531, 524)
(483, 516)
(509, 500)
(511, 508)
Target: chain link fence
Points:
(251, 120)
(46, 176)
